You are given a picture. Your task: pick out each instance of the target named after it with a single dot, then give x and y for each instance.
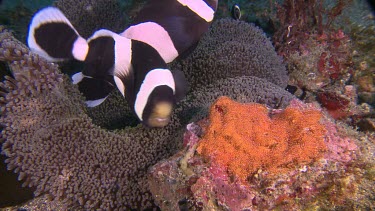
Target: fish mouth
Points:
(158, 121)
(160, 115)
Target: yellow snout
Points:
(161, 115)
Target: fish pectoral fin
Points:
(181, 85)
(94, 103)
(120, 85)
(95, 90)
(76, 78)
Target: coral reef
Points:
(320, 60)
(54, 146)
(326, 46)
(363, 37)
(316, 53)
(298, 19)
(341, 103)
(340, 179)
(292, 137)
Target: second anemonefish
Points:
(131, 61)
(172, 27)
(235, 12)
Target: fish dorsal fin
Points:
(200, 8)
(182, 86)
(154, 35)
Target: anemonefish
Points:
(235, 12)
(172, 27)
(139, 73)
(130, 61)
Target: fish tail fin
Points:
(52, 36)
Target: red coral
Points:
(244, 138)
(332, 100)
(317, 54)
(336, 59)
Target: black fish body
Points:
(108, 59)
(151, 88)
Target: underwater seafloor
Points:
(279, 116)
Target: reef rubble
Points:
(338, 178)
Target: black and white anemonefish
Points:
(134, 61)
(172, 27)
